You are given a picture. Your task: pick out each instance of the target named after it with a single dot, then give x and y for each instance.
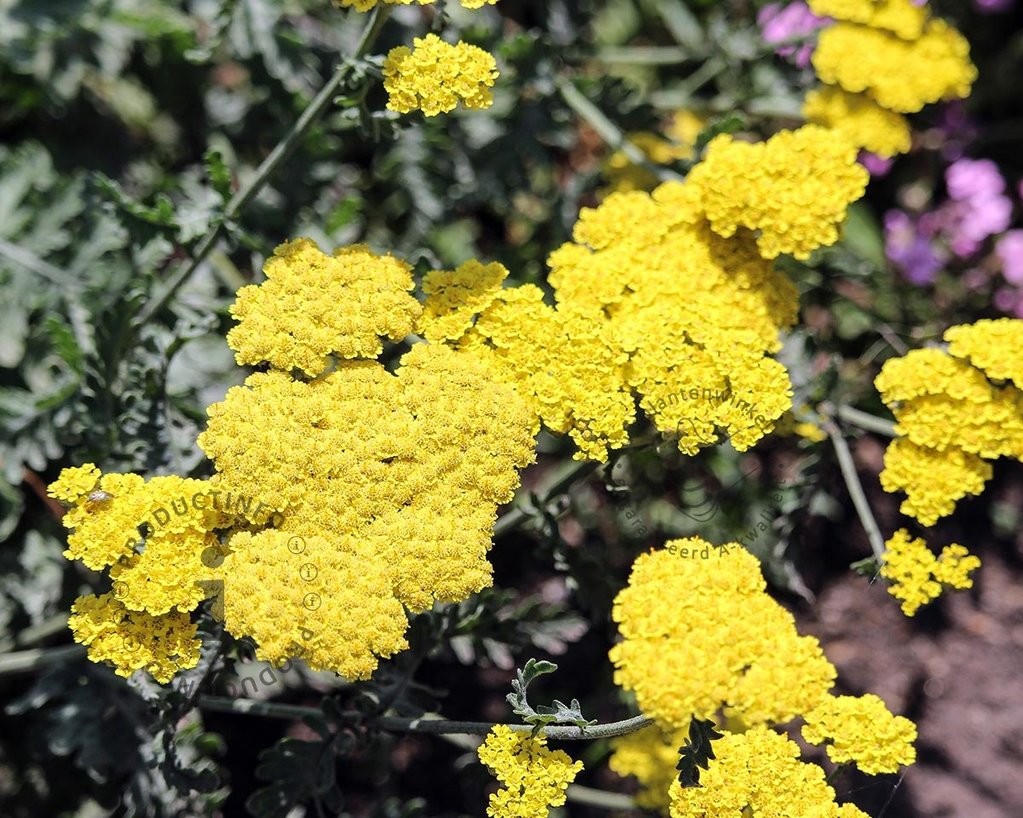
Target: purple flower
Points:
(973, 179)
(908, 249)
(992, 6)
(875, 165)
(1010, 251)
(779, 23)
(978, 206)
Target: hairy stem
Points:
(520, 512)
(428, 723)
(267, 167)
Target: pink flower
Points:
(875, 165)
(778, 23)
(1010, 252)
(973, 178)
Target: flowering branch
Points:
(267, 167)
(429, 722)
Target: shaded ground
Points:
(956, 670)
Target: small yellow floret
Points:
(794, 189)
(534, 777)
(903, 18)
(313, 305)
(859, 119)
(994, 346)
(722, 642)
(900, 75)
(130, 640)
(435, 75)
(758, 773)
(917, 576)
(862, 730)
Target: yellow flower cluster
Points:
(759, 773)
(651, 755)
(862, 730)
(903, 18)
(337, 504)
(677, 143)
(722, 642)
(313, 305)
(534, 777)
(902, 75)
(367, 5)
(669, 296)
(917, 576)
(992, 345)
(953, 416)
(794, 188)
(883, 59)
(133, 640)
(859, 119)
(399, 473)
(434, 75)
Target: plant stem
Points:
(864, 420)
(267, 167)
(428, 723)
(520, 512)
(599, 798)
(852, 482)
(608, 131)
(31, 262)
(24, 661)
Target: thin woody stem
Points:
(267, 167)
(429, 723)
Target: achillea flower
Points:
(942, 402)
(859, 119)
(399, 472)
(917, 576)
(651, 755)
(904, 18)
(994, 346)
(435, 75)
(759, 773)
(933, 481)
(74, 483)
(534, 777)
(794, 189)
(312, 306)
(721, 642)
(861, 730)
(901, 75)
(650, 300)
(131, 640)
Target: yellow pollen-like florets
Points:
(313, 305)
(859, 119)
(534, 777)
(434, 75)
(794, 189)
(722, 642)
(861, 730)
(917, 575)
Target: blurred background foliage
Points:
(128, 125)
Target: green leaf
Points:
(697, 752)
(731, 123)
(863, 235)
(218, 173)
